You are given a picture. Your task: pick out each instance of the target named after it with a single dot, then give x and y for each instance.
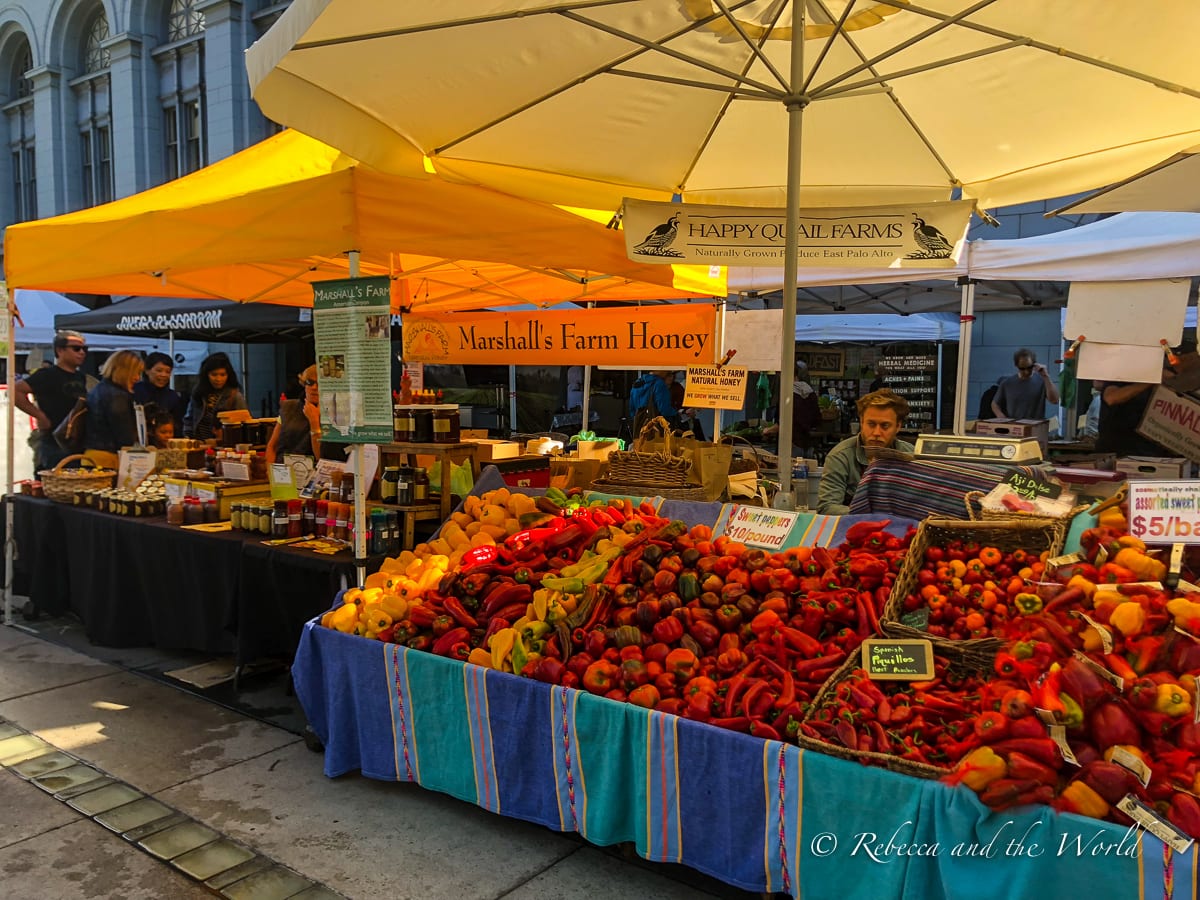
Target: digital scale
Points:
(978, 448)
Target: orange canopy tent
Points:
(261, 225)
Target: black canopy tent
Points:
(194, 320)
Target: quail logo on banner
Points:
(933, 244)
(658, 242)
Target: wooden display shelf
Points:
(444, 454)
(410, 515)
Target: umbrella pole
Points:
(585, 408)
(966, 319)
(512, 400)
(10, 542)
(795, 108)
(360, 489)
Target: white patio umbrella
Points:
(748, 102)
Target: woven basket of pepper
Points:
(918, 728)
(963, 544)
(643, 489)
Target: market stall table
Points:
(141, 582)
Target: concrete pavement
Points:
(242, 792)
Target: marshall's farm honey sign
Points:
(650, 337)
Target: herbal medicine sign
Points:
(352, 321)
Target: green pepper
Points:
(565, 585)
(688, 587)
(1028, 604)
(1072, 716)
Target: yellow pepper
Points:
(1186, 613)
(344, 618)
(1078, 581)
(1173, 700)
(1147, 568)
(1028, 604)
(1081, 799)
(981, 767)
(1129, 618)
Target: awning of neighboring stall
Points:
(263, 224)
(195, 320)
(43, 312)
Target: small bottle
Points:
(279, 519)
(420, 489)
(378, 541)
(347, 495)
(393, 541)
(387, 484)
(212, 511)
(193, 512)
(295, 514)
(322, 515)
(235, 516)
(335, 485)
(404, 486)
(339, 520)
(309, 519)
(174, 511)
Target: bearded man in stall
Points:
(880, 415)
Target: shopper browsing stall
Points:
(111, 422)
(155, 387)
(49, 394)
(299, 427)
(217, 392)
(1024, 395)
(880, 415)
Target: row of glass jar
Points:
(297, 518)
(404, 485)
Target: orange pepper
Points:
(975, 621)
(929, 590)
(987, 600)
(937, 601)
(990, 556)
(958, 567)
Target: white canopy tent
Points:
(1126, 247)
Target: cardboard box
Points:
(473, 434)
(568, 472)
(490, 450)
(1018, 428)
(595, 449)
(1159, 468)
(1103, 462)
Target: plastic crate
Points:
(525, 472)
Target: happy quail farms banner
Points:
(668, 336)
(921, 236)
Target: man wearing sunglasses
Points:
(55, 389)
(1024, 396)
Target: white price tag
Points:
(1155, 824)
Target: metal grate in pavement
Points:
(194, 849)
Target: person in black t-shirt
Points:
(49, 395)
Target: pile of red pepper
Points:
(1108, 656)
(737, 637)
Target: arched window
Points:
(180, 64)
(184, 20)
(93, 106)
(19, 119)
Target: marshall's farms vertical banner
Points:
(352, 321)
(666, 336)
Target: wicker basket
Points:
(658, 468)
(60, 484)
(641, 489)
(866, 757)
(974, 657)
(1030, 533)
(976, 511)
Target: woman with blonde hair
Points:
(299, 427)
(111, 423)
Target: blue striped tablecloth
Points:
(915, 489)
